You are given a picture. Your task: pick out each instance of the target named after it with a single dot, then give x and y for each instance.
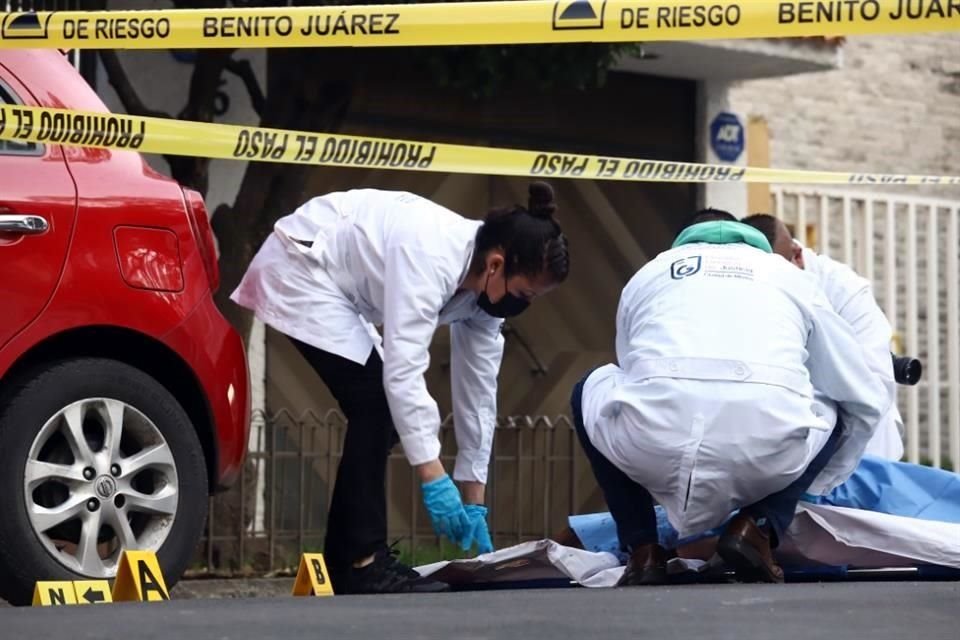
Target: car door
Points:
(38, 207)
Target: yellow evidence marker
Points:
(312, 578)
(139, 578)
(92, 591)
(53, 594)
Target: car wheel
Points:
(97, 456)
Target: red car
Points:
(124, 394)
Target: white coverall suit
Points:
(393, 259)
(710, 406)
(852, 298)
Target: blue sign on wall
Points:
(727, 136)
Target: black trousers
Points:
(631, 505)
(357, 519)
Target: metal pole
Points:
(868, 270)
(492, 486)
(547, 478)
(271, 535)
(890, 265)
(574, 502)
(301, 484)
(953, 334)
(241, 526)
(518, 484)
(913, 397)
(802, 219)
(847, 232)
(933, 338)
(824, 225)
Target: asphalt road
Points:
(861, 611)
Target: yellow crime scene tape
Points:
(474, 23)
(231, 142)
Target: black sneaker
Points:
(386, 575)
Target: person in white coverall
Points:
(710, 406)
(852, 298)
(343, 264)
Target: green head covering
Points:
(723, 232)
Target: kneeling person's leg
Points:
(777, 510)
(748, 541)
(630, 504)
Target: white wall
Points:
(713, 99)
(893, 107)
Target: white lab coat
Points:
(710, 406)
(393, 259)
(852, 298)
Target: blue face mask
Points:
(506, 307)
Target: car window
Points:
(9, 147)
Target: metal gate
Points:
(908, 247)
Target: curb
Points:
(214, 588)
(220, 588)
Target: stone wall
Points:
(893, 107)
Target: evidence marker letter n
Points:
(54, 594)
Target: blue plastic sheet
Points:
(598, 532)
(895, 488)
(900, 489)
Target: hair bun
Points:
(541, 203)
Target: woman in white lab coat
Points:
(343, 264)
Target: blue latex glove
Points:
(480, 531)
(446, 511)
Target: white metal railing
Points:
(909, 248)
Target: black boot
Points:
(647, 566)
(746, 548)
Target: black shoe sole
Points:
(650, 578)
(421, 585)
(745, 561)
(430, 586)
(445, 589)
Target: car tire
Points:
(29, 405)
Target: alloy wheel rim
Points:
(99, 478)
